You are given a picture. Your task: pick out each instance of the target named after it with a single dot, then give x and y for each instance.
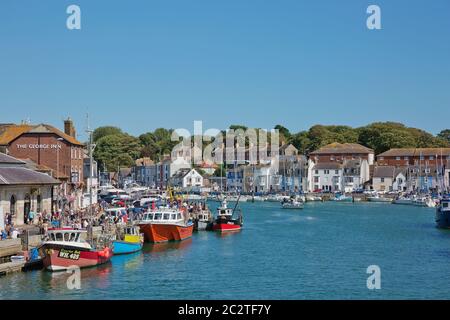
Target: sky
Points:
(146, 64)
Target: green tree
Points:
(445, 135)
(105, 131)
(119, 150)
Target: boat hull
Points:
(442, 219)
(60, 258)
(159, 233)
(124, 247)
(202, 226)
(227, 226)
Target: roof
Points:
(144, 162)
(342, 148)
(328, 166)
(30, 164)
(384, 172)
(5, 159)
(24, 176)
(9, 133)
(402, 170)
(415, 152)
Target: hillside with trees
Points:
(116, 148)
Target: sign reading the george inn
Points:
(39, 146)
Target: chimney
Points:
(69, 128)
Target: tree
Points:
(105, 131)
(117, 150)
(445, 135)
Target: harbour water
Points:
(321, 252)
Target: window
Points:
(158, 216)
(326, 171)
(406, 158)
(173, 216)
(336, 171)
(317, 171)
(178, 216)
(397, 158)
(166, 216)
(431, 158)
(381, 158)
(445, 205)
(12, 205)
(382, 180)
(316, 180)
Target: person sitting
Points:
(3, 235)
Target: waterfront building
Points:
(414, 157)
(383, 178)
(355, 174)
(325, 176)
(447, 176)
(426, 178)
(339, 152)
(23, 190)
(47, 146)
(400, 179)
(187, 179)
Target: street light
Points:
(57, 167)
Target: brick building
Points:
(414, 156)
(340, 152)
(47, 146)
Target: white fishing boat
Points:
(379, 199)
(404, 201)
(313, 199)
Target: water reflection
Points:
(163, 247)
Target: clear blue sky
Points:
(165, 63)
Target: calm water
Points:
(321, 252)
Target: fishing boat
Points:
(292, 204)
(166, 224)
(225, 221)
(443, 214)
(65, 248)
(203, 220)
(313, 198)
(276, 198)
(131, 241)
(377, 198)
(404, 201)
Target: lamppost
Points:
(57, 170)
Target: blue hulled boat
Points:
(443, 214)
(131, 241)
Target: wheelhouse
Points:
(65, 235)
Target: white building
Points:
(326, 176)
(355, 174)
(400, 180)
(187, 179)
(383, 178)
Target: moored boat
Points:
(65, 249)
(130, 241)
(292, 203)
(225, 222)
(443, 214)
(166, 224)
(203, 220)
(377, 198)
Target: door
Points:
(26, 208)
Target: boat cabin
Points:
(445, 205)
(65, 235)
(163, 216)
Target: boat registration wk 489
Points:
(69, 254)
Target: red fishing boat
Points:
(225, 221)
(66, 249)
(165, 224)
